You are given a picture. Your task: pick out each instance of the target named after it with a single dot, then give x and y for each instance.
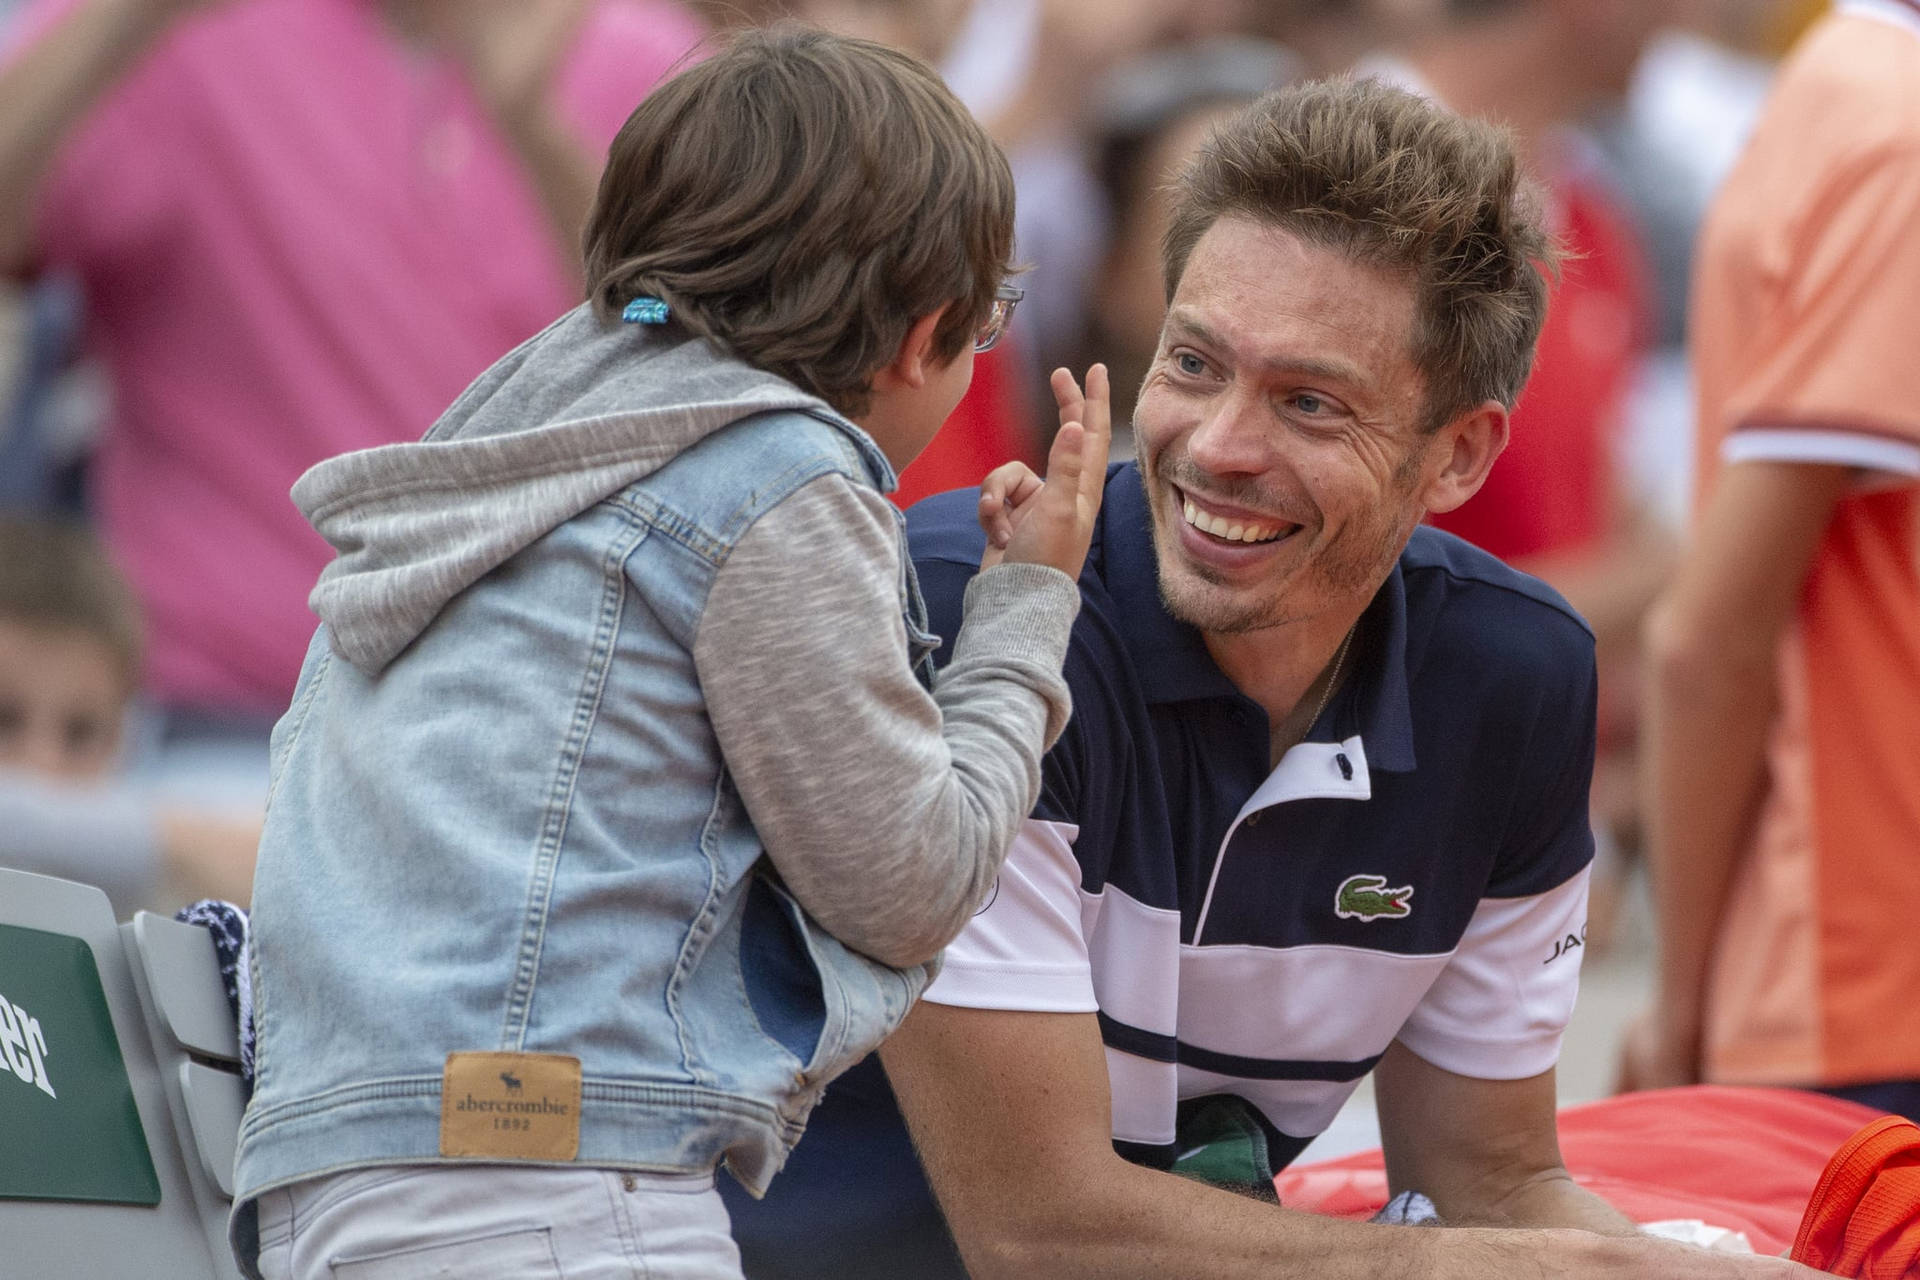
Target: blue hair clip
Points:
(645, 309)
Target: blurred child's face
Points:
(62, 701)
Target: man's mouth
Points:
(1232, 528)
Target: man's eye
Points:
(1190, 364)
(1309, 403)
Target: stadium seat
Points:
(120, 1099)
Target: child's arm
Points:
(888, 810)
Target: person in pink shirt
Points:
(301, 227)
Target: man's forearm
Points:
(1010, 1117)
(1710, 705)
(1150, 1225)
(47, 87)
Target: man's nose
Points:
(1234, 437)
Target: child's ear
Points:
(914, 362)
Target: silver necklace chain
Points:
(1333, 679)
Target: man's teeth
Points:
(1232, 531)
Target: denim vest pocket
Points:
(860, 1000)
(783, 987)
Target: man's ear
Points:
(1463, 452)
(913, 363)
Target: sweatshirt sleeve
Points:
(886, 809)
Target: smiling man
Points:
(1322, 806)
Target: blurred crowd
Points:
(240, 236)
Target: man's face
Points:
(62, 702)
(1278, 431)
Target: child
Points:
(70, 645)
(69, 652)
(615, 812)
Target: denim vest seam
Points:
(650, 509)
(276, 771)
(711, 1101)
(545, 871)
(262, 1119)
(277, 766)
(716, 545)
(618, 1092)
(797, 475)
(700, 929)
(679, 528)
(262, 1073)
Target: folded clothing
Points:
(1864, 1217)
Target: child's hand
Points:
(1031, 522)
(1004, 497)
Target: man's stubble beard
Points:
(1339, 573)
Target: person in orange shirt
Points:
(1784, 733)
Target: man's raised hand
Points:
(1030, 521)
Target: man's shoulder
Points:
(944, 529)
(1463, 592)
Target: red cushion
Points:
(1745, 1159)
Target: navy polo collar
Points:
(1173, 664)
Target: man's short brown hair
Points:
(55, 575)
(1400, 183)
(800, 199)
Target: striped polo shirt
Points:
(1416, 868)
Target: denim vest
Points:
(521, 836)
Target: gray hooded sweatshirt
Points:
(889, 831)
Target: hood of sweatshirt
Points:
(571, 417)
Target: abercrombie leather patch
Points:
(510, 1106)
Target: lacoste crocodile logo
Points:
(1368, 898)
